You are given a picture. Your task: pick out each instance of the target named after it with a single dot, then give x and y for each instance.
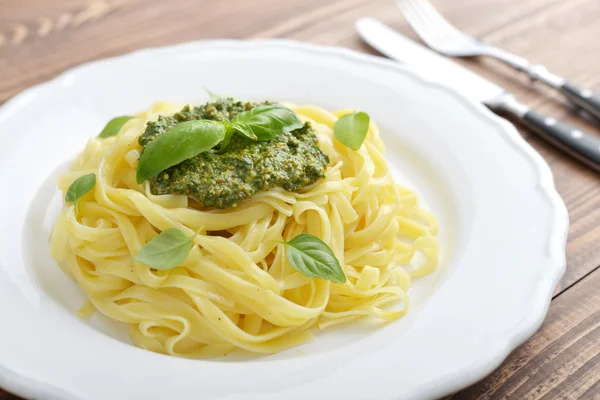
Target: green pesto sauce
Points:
(290, 161)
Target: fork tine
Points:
(416, 21)
(429, 24)
(435, 30)
(428, 11)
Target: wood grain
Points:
(41, 38)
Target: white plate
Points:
(503, 232)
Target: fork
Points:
(444, 38)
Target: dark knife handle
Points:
(581, 145)
(584, 98)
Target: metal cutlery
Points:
(444, 38)
(394, 45)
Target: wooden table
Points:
(41, 38)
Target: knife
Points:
(581, 145)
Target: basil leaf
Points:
(244, 129)
(80, 187)
(226, 140)
(351, 129)
(114, 126)
(266, 122)
(183, 141)
(166, 251)
(212, 96)
(310, 256)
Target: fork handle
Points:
(584, 98)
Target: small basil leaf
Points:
(212, 96)
(227, 139)
(267, 122)
(310, 256)
(166, 251)
(80, 187)
(183, 141)
(244, 129)
(114, 126)
(351, 129)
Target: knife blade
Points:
(439, 68)
(387, 41)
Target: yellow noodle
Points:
(239, 291)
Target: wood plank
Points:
(106, 28)
(562, 360)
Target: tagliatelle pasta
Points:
(236, 289)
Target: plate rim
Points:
(20, 383)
